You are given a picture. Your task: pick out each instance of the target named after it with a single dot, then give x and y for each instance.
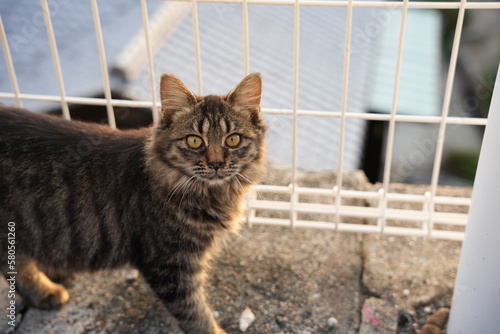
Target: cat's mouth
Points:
(218, 175)
(214, 175)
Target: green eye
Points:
(233, 140)
(194, 141)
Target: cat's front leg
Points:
(180, 289)
(35, 287)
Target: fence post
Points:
(476, 298)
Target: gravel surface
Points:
(300, 281)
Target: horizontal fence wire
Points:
(421, 222)
(91, 101)
(358, 4)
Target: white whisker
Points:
(176, 187)
(245, 178)
(187, 185)
(259, 195)
(239, 183)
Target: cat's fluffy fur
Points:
(85, 197)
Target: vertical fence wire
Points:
(55, 58)
(345, 92)
(149, 50)
(444, 113)
(392, 121)
(246, 38)
(252, 196)
(104, 65)
(295, 120)
(426, 207)
(197, 49)
(10, 64)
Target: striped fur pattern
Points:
(85, 197)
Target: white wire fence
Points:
(451, 223)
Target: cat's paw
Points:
(54, 299)
(38, 290)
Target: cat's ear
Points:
(247, 94)
(174, 96)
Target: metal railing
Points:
(381, 212)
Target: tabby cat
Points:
(87, 197)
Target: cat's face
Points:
(212, 139)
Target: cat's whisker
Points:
(239, 183)
(189, 190)
(259, 195)
(245, 178)
(187, 185)
(177, 186)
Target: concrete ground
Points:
(301, 281)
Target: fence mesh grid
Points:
(339, 208)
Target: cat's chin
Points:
(217, 179)
(218, 182)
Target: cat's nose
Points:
(216, 165)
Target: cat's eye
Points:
(233, 140)
(194, 141)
